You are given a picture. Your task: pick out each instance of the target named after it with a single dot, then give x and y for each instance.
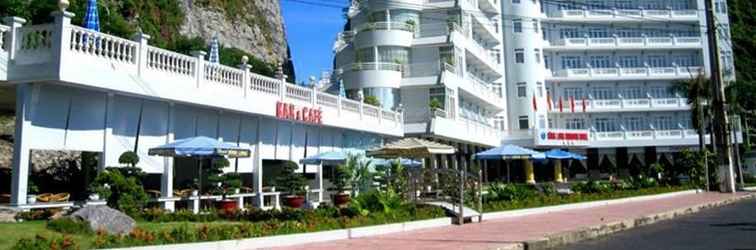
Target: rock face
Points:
(106, 218)
(253, 26)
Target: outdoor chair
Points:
(44, 197)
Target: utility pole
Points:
(721, 128)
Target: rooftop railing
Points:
(625, 13)
(53, 45)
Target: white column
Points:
(319, 182)
(21, 149)
(199, 73)
(11, 39)
(107, 132)
(257, 180)
(141, 59)
(166, 180)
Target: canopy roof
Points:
(508, 152)
(332, 157)
(200, 146)
(412, 148)
(561, 155)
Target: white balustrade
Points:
(35, 37)
(112, 48)
(328, 100)
(224, 75)
(264, 84)
(370, 111)
(299, 93)
(170, 62)
(625, 13)
(350, 105)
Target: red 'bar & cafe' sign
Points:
(288, 111)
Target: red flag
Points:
(561, 104)
(572, 104)
(535, 104)
(548, 100)
(584, 104)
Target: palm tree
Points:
(698, 93)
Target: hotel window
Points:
(522, 89)
(660, 92)
(685, 60)
(629, 62)
(605, 125)
(537, 53)
(519, 56)
(438, 94)
(569, 33)
(625, 4)
(517, 25)
(575, 123)
(515, 1)
(633, 93)
(600, 62)
(665, 123)
(539, 86)
(604, 94)
(627, 32)
(547, 61)
(393, 54)
(576, 93)
(523, 122)
(542, 122)
(634, 124)
(657, 61)
(366, 55)
(572, 62)
(598, 33)
(535, 25)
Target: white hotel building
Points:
(591, 76)
(411, 53)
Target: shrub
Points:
(122, 191)
(129, 158)
(509, 192)
(40, 242)
(592, 187)
(68, 225)
(36, 214)
(372, 100)
(291, 182)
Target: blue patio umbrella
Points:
(92, 18)
(331, 157)
(508, 153)
(214, 50)
(563, 155)
(200, 147)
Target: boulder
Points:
(104, 218)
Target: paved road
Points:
(507, 232)
(731, 227)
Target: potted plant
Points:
(223, 183)
(31, 196)
(411, 24)
(293, 184)
(341, 180)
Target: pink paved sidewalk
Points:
(506, 232)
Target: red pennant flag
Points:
(548, 100)
(535, 104)
(572, 104)
(584, 104)
(561, 104)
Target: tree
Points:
(698, 94)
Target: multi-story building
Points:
(437, 60)
(596, 75)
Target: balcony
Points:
(78, 57)
(674, 137)
(445, 125)
(620, 105)
(383, 34)
(482, 91)
(618, 43)
(624, 15)
(620, 73)
(367, 75)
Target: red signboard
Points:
(567, 136)
(288, 111)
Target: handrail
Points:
(169, 61)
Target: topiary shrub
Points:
(129, 158)
(121, 191)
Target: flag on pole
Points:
(572, 104)
(535, 104)
(214, 50)
(92, 18)
(585, 103)
(548, 100)
(561, 104)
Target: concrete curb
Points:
(304, 238)
(593, 232)
(581, 205)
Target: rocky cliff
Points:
(255, 26)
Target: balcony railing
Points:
(637, 14)
(644, 135)
(627, 42)
(650, 72)
(403, 26)
(49, 45)
(372, 66)
(612, 105)
(483, 89)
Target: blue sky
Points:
(311, 31)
